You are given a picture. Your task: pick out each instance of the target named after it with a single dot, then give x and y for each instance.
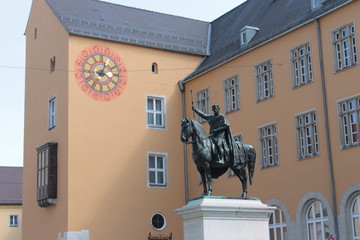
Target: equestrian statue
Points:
(215, 153)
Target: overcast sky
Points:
(13, 20)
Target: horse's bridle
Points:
(199, 139)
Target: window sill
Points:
(229, 112)
(264, 99)
(157, 186)
(156, 127)
(350, 146)
(302, 85)
(270, 166)
(345, 68)
(308, 157)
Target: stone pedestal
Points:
(219, 218)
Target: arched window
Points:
(317, 222)
(277, 225)
(355, 218)
(154, 68)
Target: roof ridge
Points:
(150, 11)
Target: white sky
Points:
(13, 20)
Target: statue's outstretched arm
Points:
(200, 113)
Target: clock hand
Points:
(98, 74)
(101, 72)
(109, 74)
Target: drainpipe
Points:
(328, 144)
(182, 89)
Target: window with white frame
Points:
(203, 102)
(269, 146)
(52, 113)
(349, 114)
(355, 218)
(158, 221)
(301, 65)
(232, 94)
(307, 136)
(344, 44)
(277, 225)
(155, 112)
(13, 220)
(264, 80)
(317, 223)
(157, 171)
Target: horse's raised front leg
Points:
(203, 179)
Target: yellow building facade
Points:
(105, 94)
(10, 203)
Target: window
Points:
(52, 64)
(344, 44)
(268, 144)
(238, 137)
(247, 33)
(301, 65)
(13, 221)
(52, 113)
(264, 80)
(277, 225)
(355, 218)
(154, 68)
(158, 221)
(203, 102)
(243, 38)
(47, 174)
(317, 224)
(157, 176)
(307, 136)
(349, 114)
(155, 112)
(232, 94)
(316, 3)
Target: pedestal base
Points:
(219, 218)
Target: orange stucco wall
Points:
(44, 40)
(110, 140)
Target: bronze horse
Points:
(206, 163)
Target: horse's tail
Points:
(251, 158)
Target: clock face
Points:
(100, 73)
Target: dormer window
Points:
(316, 3)
(246, 34)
